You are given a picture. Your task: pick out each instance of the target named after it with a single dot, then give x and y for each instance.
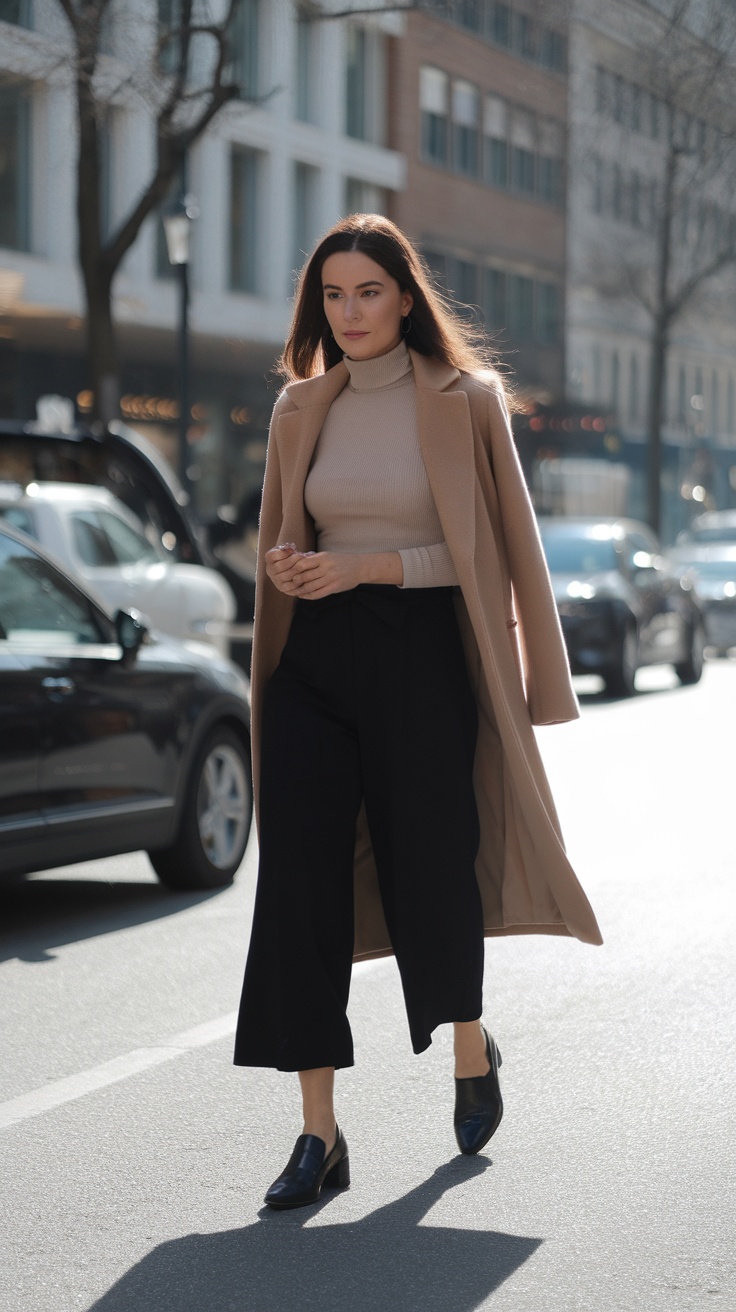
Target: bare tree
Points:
(683, 76)
(183, 106)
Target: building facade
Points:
(621, 127)
(305, 144)
(478, 109)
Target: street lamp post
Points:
(177, 226)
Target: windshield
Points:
(101, 538)
(578, 555)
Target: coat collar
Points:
(323, 388)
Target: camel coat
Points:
(508, 619)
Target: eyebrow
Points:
(334, 287)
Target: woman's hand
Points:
(315, 574)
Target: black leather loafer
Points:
(478, 1104)
(309, 1171)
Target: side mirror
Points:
(130, 631)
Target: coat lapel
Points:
(446, 442)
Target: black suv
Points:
(112, 739)
(619, 605)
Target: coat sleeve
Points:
(550, 695)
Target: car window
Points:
(19, 518)
(38, 606)
(578, 555)
(102, 538)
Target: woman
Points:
(402, 800)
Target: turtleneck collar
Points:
(381, 371)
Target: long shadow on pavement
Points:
(39, 915)
(387, 1261)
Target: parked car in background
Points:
(100, 540)
(112, 739)
(712, 526)
(710, 568)
(128, 465)
(619, 605)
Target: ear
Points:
(407, 301)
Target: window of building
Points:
(521, 307)
(465, 111)
(547, 313)
(244, 169)
(463, 284)
(355, 82)
(495, 308)
(305, 69)
(434, 99)
(470, 14)
(306, 184)
(436, 262)
(244, 43)
(14, 167)
(550, 180)
(168, 21)
(364, 197)
(495, 142)
(552, 50)
(19, 12)
(523, 171)
(500, 24)
(527, 36)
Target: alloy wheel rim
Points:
(222, 806)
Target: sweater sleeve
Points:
(428, 567)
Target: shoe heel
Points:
(339, 1176)
(499, 1063)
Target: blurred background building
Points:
(520, 144)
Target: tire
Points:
(691, 669)
(621, 677)
(216, 817)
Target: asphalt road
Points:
(134, 1157)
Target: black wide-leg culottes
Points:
(370, 702)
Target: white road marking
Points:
(111, 1072)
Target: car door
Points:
(109, 731)
(21, 821)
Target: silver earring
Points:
(406, 329)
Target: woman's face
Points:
(364, 305)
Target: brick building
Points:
(477, 108)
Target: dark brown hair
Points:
(435, 327)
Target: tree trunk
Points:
(101, 348)
(97, 272)
(662, 316)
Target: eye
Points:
(332, 296)
(370, 291)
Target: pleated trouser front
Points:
(371, 701)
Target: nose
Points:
(351, 307)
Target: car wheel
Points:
(216, 817)
(620, 678)
(691, 669)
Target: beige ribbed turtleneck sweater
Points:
(367, 489)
